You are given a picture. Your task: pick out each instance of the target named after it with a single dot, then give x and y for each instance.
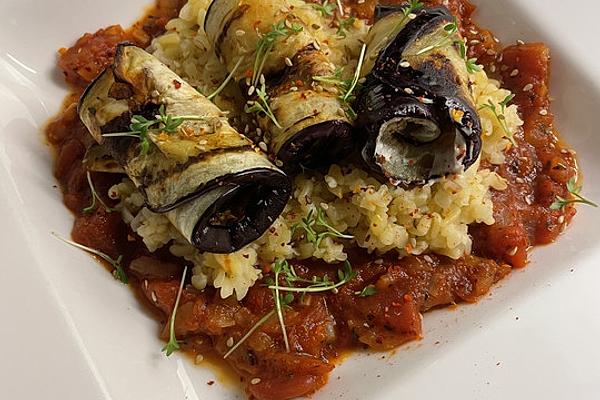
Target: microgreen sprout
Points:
(326, 8)
(500, 115)
(173, 345)
(450, 30)
(267, 41)
(118, 271)
(316, 228)
(141, 127)
(367, 291)
(344, 25)
(316, 285)
(230, 76)
(470, 63)
(95, 198)
(576, 198)
(261, 104)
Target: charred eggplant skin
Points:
(211, 182)
(432, 89)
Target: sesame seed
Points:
(247, 128)
(561, 219)
(362, 80)
(255, 381)
(294, 88)
(366, 325)
(475, 41)
(543, 111)
(153, 296)
(408, 91)
(528, 200)
(405, 64)
(341, 112)
(412, 16)
(288, 62)
(259, 131)
(230, 342)
(514, 72)
(428, 259)
(473, 31)
(512, 251)
(251, 90)
(490, 52)
(520, 42)
(240, 32)
(317, 45)
(145, 284)
(520, 180)
(500, 58)
(199, 358)
(527, 87)
(263, 146)
(279, 163)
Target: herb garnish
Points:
(367, 291)
(312, 222)
(575, 191)
(118, 271)
(227, 80)
(141, 127)
(261, 105)
(289, 275)
(346, 86)
(95, 198)
(470, 63)
(344, 25)
(266, 43)
(450, 29)
(173, 344)
(500, 115)
(316, 285)
(326, 8)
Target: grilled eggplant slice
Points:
(415, 106)
(213, 184)
(312, 129)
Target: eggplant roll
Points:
(415, 106)
(312, 128)
(213, 184)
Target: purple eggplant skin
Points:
(317, 146)
(251, 206)
(428, 92)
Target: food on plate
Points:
(415, 105)
(284, 181)
(179, 150)
(268, 44)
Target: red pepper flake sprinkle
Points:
(176, 83)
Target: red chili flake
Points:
(408, 297)
(249, 73)
(176, 83)
(299, 83)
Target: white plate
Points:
(69, 331)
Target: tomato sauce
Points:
(322, 326)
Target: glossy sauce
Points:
(322, 326)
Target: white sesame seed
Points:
(561, 219)
(251, 90)
(255, 381)
(405, 64)
(425, 100)
(240, 32)
(514, 72)
(528, 87)
(230, 342)
(428, 259)
(199, 358)
(528, 200)
(366, 325)
(259, 131)
(263, 146)
(247, 128)
(490, 52)
(543, 111)
(520, 180)
(512, 251)
(317, 45)
(500, 58)
(279, 163)
(493, 68)
(145, 284)
(473, 31)
(412, 16)
(520, 41)
(408, 91)
(247, 81)
(153, 296)
(362, 80)
(294, 88)
(288, 62)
